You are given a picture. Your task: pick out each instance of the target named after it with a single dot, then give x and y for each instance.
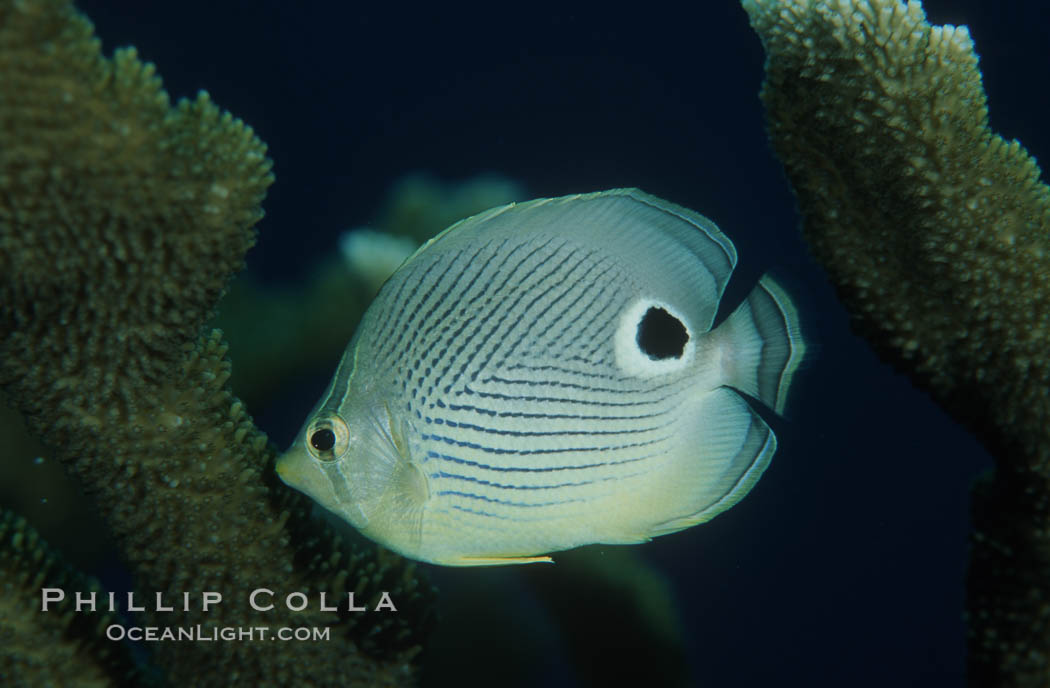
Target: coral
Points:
(374, 255)
(59, 647)
(121, 220)
(936, 234)
(39, 490)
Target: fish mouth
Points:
(324, 483)
(289, 469)
(281, 468)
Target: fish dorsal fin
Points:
(662, 241)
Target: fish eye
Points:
(327, 438)
(323, 439)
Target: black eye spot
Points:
(661, 335)
(323, 439)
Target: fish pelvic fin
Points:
(496, 561)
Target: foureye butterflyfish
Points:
(545, 375)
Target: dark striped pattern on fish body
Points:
(498, 403)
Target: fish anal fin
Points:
(678, 524)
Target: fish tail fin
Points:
(762, 345)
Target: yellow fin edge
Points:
(499, 561)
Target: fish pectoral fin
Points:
(395, 432)
(498, 561)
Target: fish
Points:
(546, 375)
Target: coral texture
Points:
(936, 234)
(121, 220)
(58, 647)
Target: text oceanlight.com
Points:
(198, 633)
